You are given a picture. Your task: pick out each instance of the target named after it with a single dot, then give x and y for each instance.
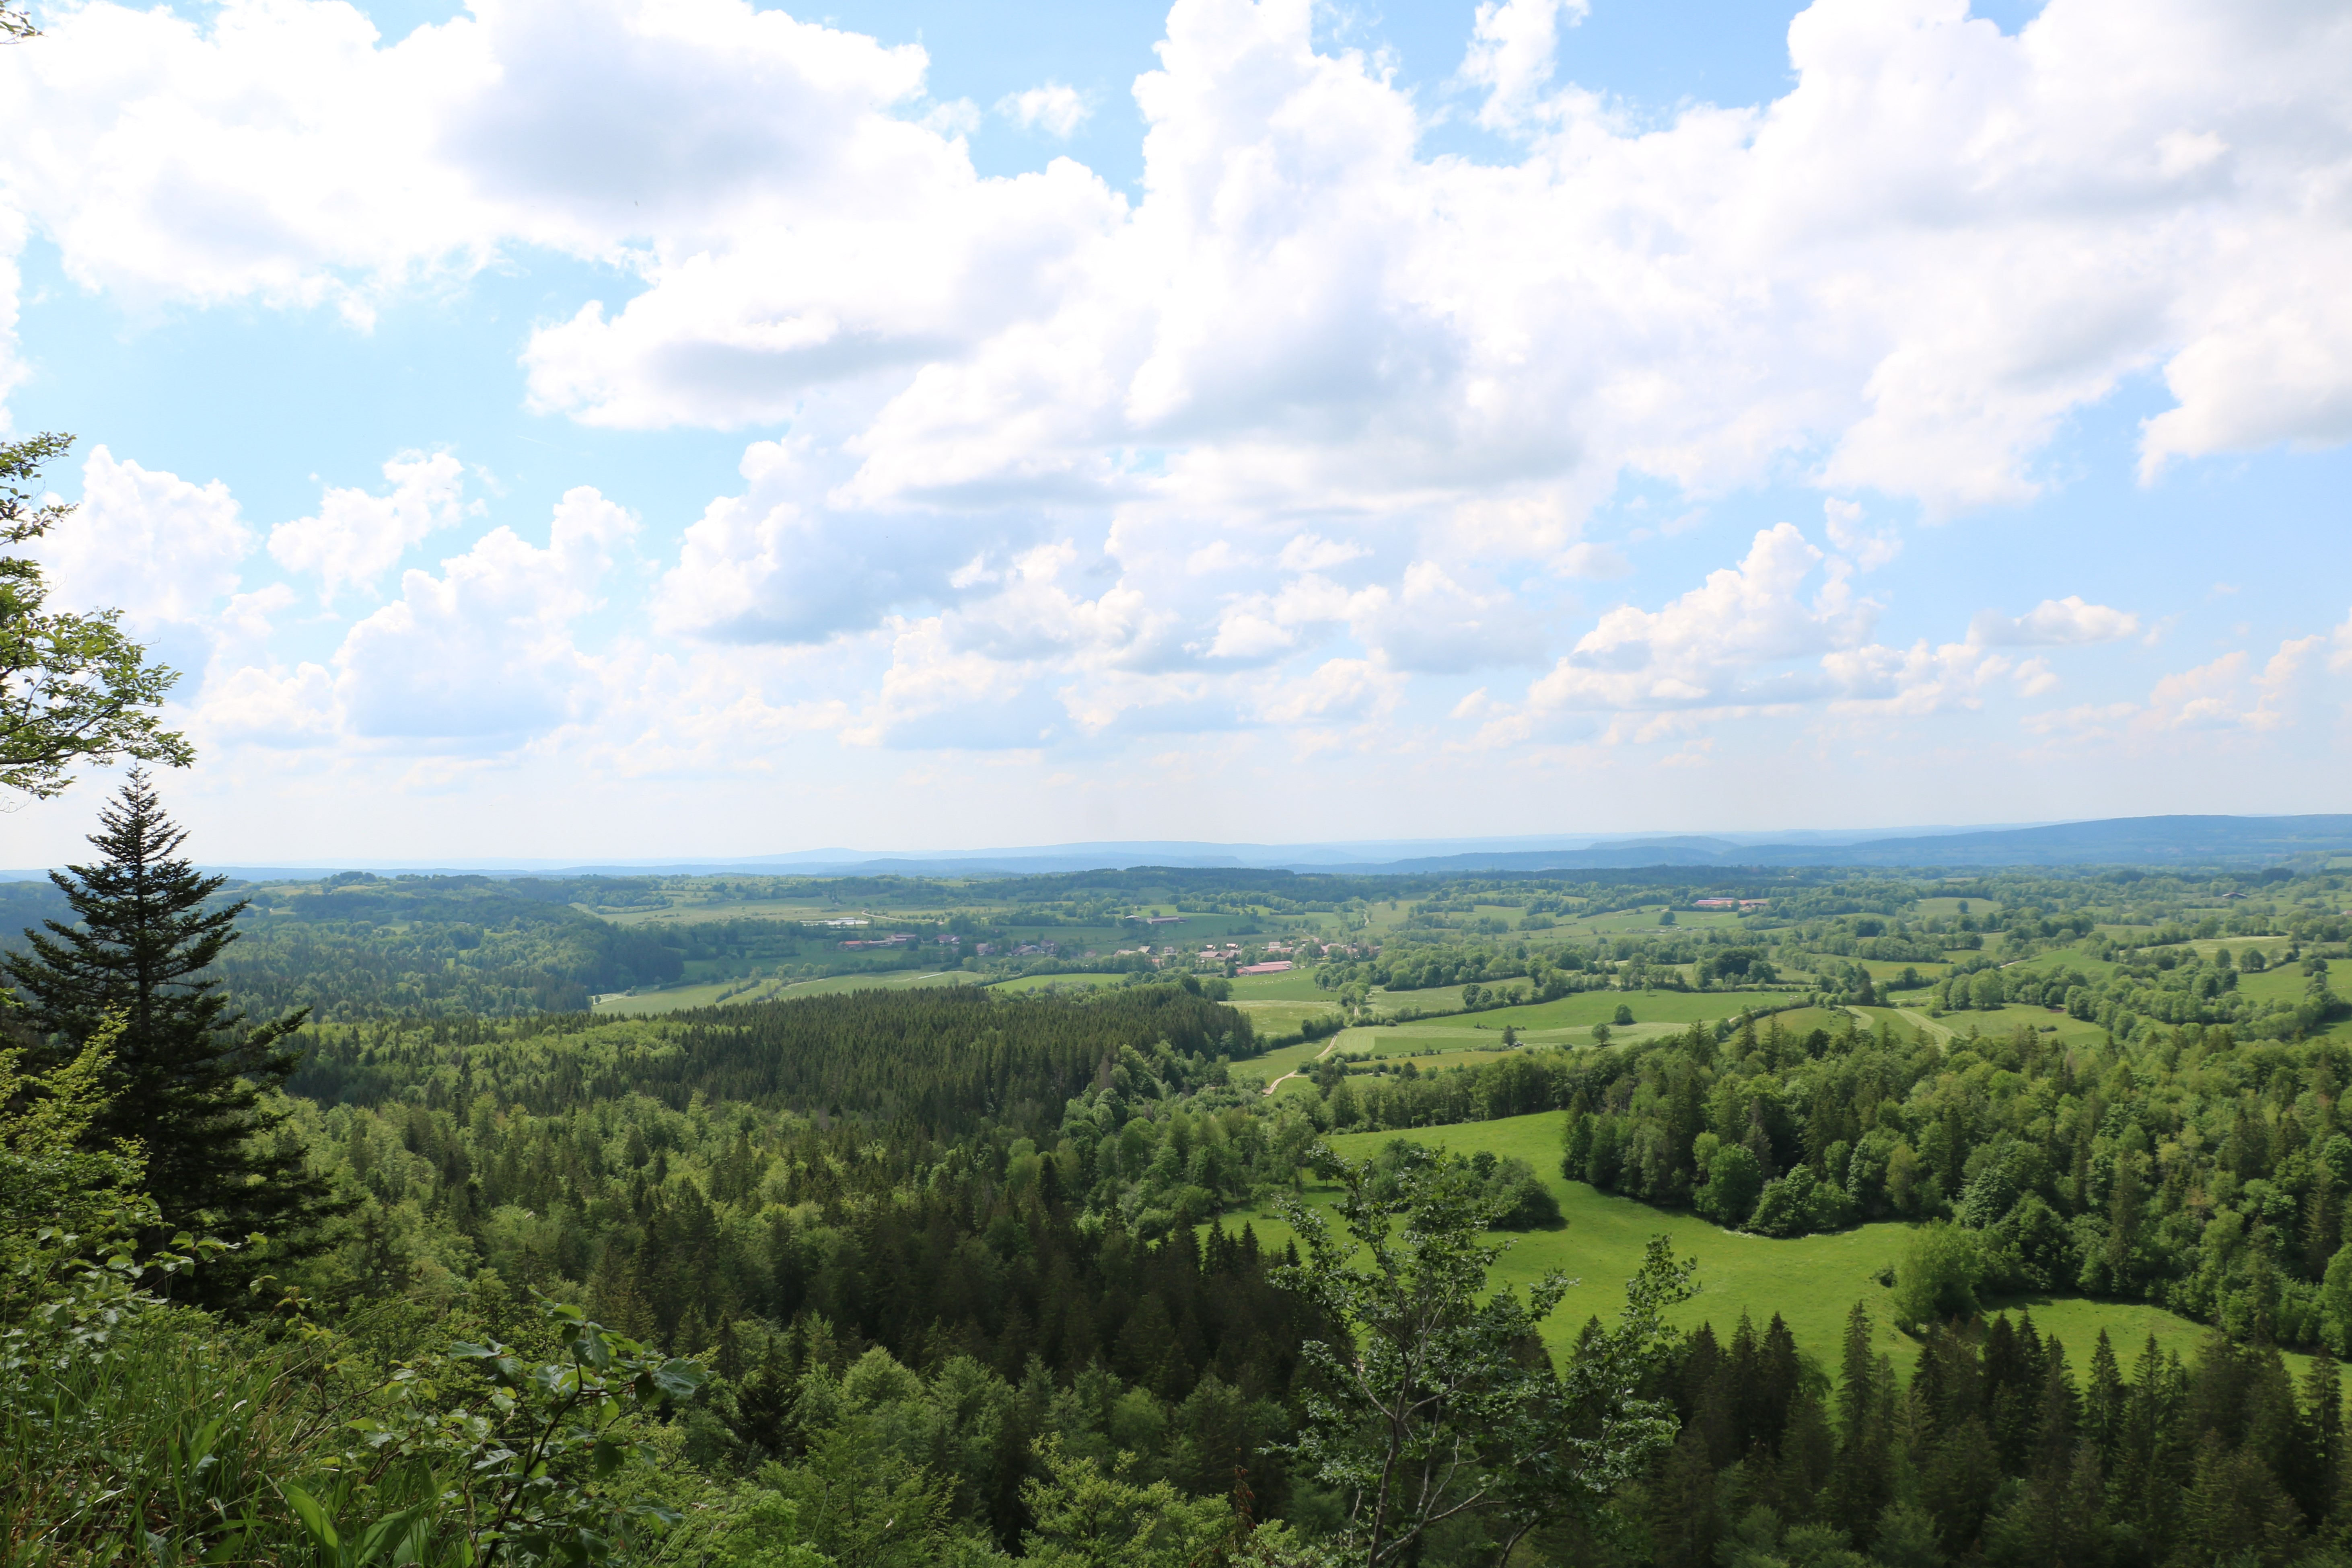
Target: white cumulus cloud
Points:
(355, 537)
(2054, 624)
(483, 655)
(1054, 109)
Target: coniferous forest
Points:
(977, 1273)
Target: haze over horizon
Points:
(666, 428)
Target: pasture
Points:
(1880, 970)
(1028, 983)
(2004, 1020)
(1812, 1282)
(691, 909)
(1273, 1019)
(678, 999)
(1951, 908)
(1296, 986)
(1540, 1020)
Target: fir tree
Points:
(2102, 1403)
(2318, 1471)
(191, 1077)
(1863, 1479)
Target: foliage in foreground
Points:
(74, 690)
(1436, 1406)
(149, 1431)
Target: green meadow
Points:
(1273, 1019)
(1622, 922)
(676, 998)
(1296, 986)
(1950, 908)
(1027, 983)
(1812, 1282)
(686, 909)
(1581, 1011)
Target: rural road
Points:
(1295, 1072)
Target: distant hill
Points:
(2116, 841)
(2181, 840)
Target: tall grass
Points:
(160, 1444)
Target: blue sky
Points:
(621, 428)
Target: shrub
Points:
(1936, 1279)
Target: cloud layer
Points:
(1307, 433)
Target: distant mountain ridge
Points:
(2168, 840)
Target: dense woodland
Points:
(950, 1275)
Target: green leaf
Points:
(679, 1378)
(401, 1527)
(607, 1457)
(313, 1517)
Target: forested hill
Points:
(357, 946)
(947, 1060)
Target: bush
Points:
(1531, 1204)
(1785, 1207)
(1936, 1279)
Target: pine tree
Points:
(1861, 1482)
(2319, 1468)
(192, 1076)
(2103, 1402)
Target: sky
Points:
(615, 428)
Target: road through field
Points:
(1295, 1072)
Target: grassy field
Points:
(2270, 947)
(2004, 1020)
(1812, 1282)
(679, 997)
(1289, 1058)
(1620, 922)
(2284, 983)
(690, 909)
(1582, 1011)
(1804, 1020)
(1891, 968)
(1949, 907)
(1053, 982)
(1297, 986)
(1274, 1018)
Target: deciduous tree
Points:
(73, 688)
(1438, 1402)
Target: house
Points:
(1715, 903)
(1276, 967)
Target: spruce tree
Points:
(191, 1075)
